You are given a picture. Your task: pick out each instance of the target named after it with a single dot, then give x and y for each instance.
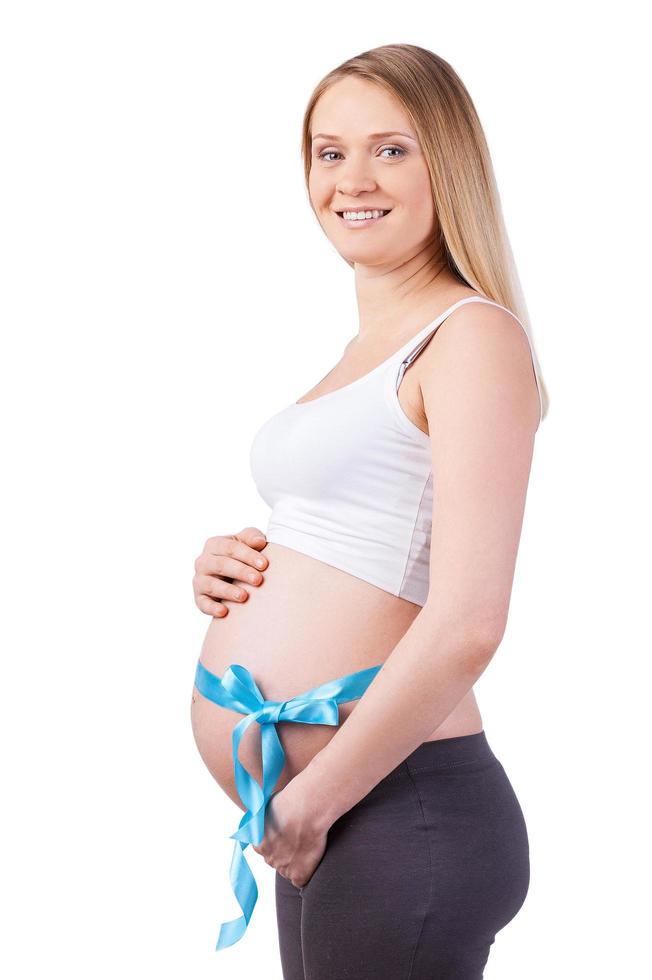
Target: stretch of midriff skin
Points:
(307, 623)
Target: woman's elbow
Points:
(475, 638)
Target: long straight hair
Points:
(474, 238)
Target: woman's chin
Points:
(362, 254)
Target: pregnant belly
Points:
(308, 623)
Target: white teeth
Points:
(361, 215)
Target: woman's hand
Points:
(226, 561)
(294, 841)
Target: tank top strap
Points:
(414, 346)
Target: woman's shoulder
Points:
(480, 343)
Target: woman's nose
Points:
(355, 182)
(355, 175)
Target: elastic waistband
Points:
(444, 753)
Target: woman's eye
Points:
(398, 149)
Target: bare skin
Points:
(308, 622)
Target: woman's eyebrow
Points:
(372, 136)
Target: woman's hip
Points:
(422, 872)
(446, 816)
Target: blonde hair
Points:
(474, 238)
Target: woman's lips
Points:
(361, 222)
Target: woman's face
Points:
(353, 167)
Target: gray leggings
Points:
(417, 878)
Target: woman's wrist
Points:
(318, 812)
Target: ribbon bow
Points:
(237, 690)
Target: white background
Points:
(165, 288)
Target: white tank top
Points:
(348, 475)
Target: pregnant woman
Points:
(334, 702)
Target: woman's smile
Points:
(366, 218)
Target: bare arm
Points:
(482, 407)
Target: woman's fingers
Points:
(233, 547)
(226, 561)
(218, 588)
(252, 536)
(236, 561)
(210, 606)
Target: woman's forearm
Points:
(424, 678)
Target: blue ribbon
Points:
(237, 690)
